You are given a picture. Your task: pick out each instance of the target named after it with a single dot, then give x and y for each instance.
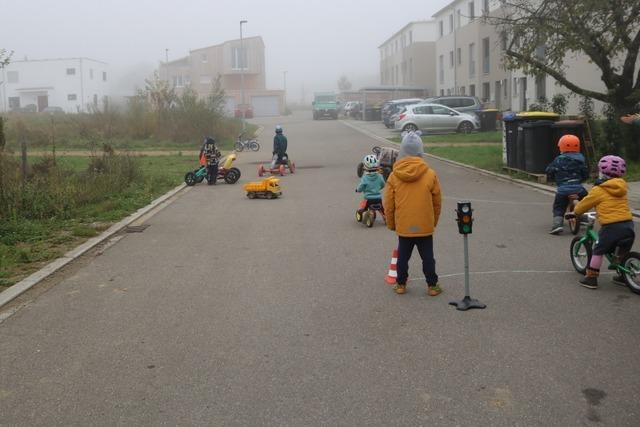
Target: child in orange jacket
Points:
(412, 203)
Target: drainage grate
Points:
(136, 228)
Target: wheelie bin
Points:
(509, 139)
(488, 119)
(539, 147)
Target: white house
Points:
(73, 84)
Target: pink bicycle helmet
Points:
(612, 166)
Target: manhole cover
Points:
(136, 228)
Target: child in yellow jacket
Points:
(412, 202)
(609, 197)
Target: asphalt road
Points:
(230, 311)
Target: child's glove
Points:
(570, 216)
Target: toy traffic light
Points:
(465, 217)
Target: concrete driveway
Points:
(230, 311)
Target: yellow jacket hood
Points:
(617, 187)
(410, 169)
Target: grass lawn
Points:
(27, 245)
(484, 157)
(460, 137)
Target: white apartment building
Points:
(469, 56)
(406, 58)
(73, 84)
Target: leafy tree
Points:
(217, 97)
(544, 33)
(344, 84)
(158, 93)
(5, 57)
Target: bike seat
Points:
(375, 206)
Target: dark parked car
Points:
(390, 109)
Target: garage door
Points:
(230, 106)
(265, 106)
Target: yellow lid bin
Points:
(537, 115)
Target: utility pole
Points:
(166, 64)
(240, 60)
(285, 91)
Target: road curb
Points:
(540, 187)
(35, 278)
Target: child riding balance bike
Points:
(609, 197)
(371, 184)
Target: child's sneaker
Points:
(400, 289)
(556, 229)
(434, 291)
(618, 279)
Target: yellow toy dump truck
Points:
(268, 188)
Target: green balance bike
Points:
(626, 265)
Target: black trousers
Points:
(611, 234)
(212, 173)
(561, 202)
(425, 249)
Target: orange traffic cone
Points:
(393, 273)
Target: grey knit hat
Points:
(411, 145)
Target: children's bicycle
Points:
(626, 265)
(247, 144)
(367, 215)
(573, 221)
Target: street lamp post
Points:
(166, 64)
(241, 63)
(285, 92)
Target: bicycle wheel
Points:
(238, 147)
(632, 263)
(254, 146)
(580, 254)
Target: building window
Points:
(91, 73)
(459, 23)
(486, 92)
(72, 97)
(410, 37)
(503, 41)
(104, 76)
(441, 68)
(541, 87)
(239, 58)
(463, 90)
(451, 23)
(505, 82)
(472, 90)
(441, 26)
(514, 89)
(451, 59)
(204, 58)
(71, 71)
(485, 7)
(441, 92)
(486, 64)
(448, 92)
(472, 11)
(13, 77)
(14, 102)
(459, 56)
(472, 60)
(411, 70)
(95, 99)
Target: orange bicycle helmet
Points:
(569, 144)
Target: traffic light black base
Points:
(466, 303)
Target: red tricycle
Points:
(366, 212)
(278, 166)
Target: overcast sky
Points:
(314, 41)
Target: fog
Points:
(314, 41)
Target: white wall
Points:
(49, 78)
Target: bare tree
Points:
(344, 84)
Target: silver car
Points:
(435, 118)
